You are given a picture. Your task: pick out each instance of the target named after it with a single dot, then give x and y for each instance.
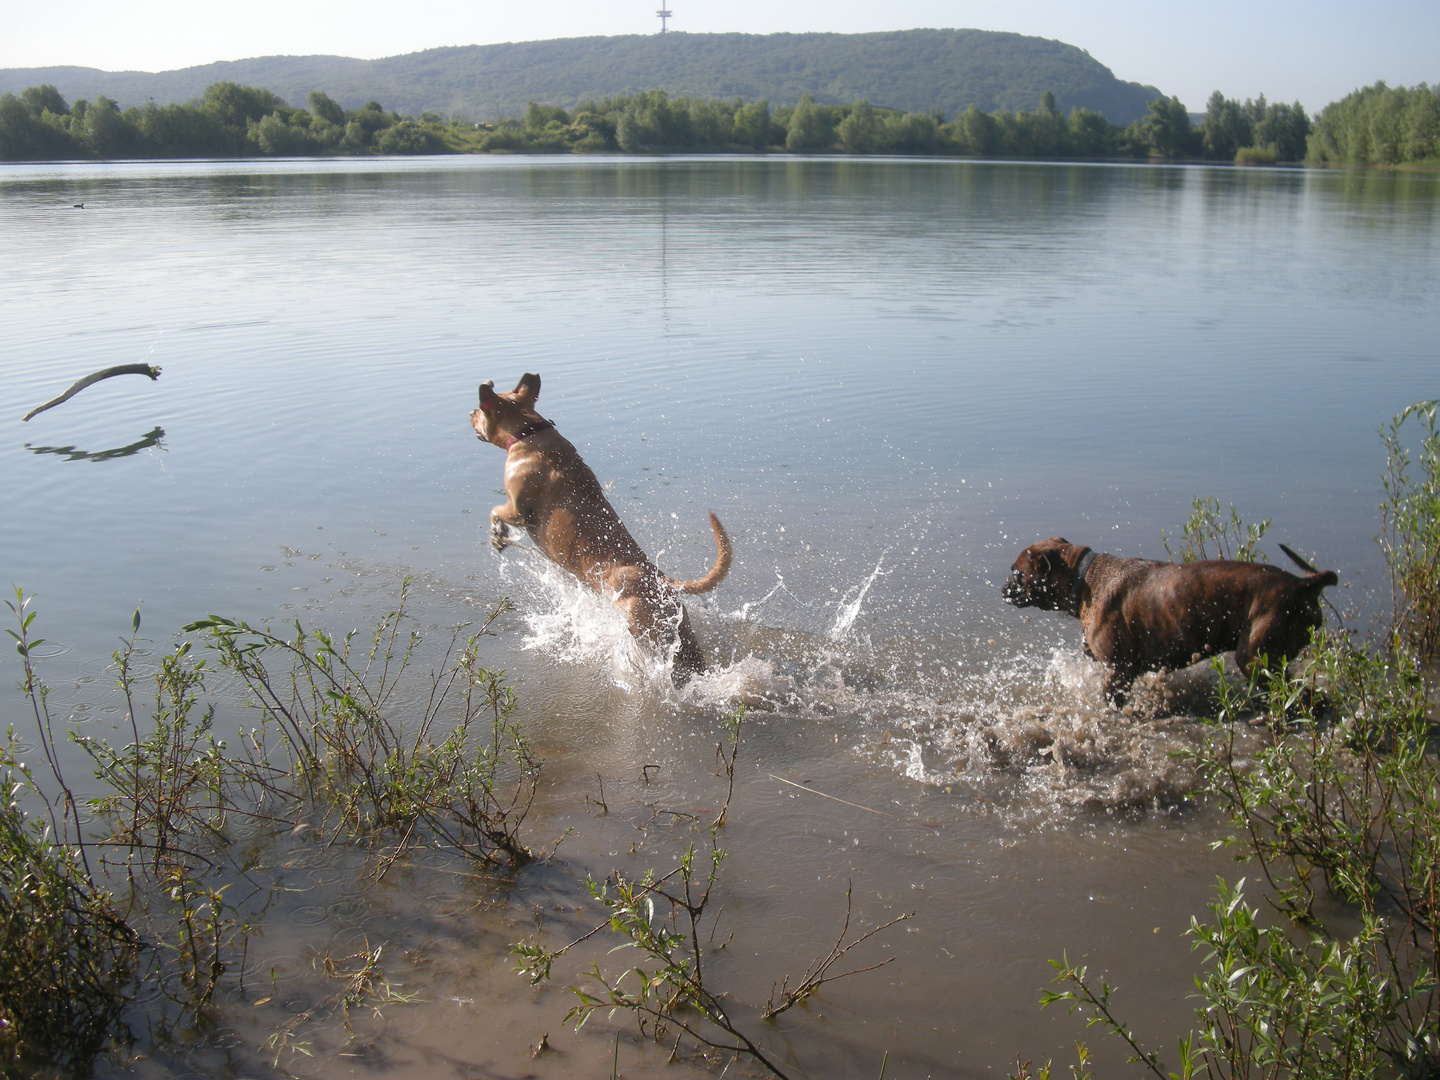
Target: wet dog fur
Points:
(554, 496)
(1139, 615)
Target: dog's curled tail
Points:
(1316, 577)
(717, 572)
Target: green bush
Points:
(1378, 125)
(809, 127)
(333, 750)
(1257, 155)
(68, 954)
(277, 138)
(1333, 792)
(408, 137)
(1339, 806)
(1410, 529)
(1230, 537)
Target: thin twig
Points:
(816, 976)
(857, 806)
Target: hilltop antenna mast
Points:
(662, 15)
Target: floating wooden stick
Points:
(91, 380)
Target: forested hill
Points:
(914, 70)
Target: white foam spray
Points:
(1030, 732)
(849, 608)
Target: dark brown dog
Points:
(555, 497)
(1139, 615)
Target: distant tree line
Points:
(1377, 125)
(1254, 132)
(655, 122)
(229, 120)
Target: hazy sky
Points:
(1313, 51)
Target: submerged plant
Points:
(469, 786)
(363, 986)
(1342, 802)
(168, 791)
(1342, 797)
(1275, 1005)
(664, 922)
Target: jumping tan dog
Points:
(555, 498)
(1140, 615)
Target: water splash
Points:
(1030, 732)
(574, 624)
(849, 609)
(1033, 733)
(754, 607)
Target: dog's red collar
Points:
(527, 431)
(1082, 568)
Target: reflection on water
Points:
(886, 377)
(70, 453)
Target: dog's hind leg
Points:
(1277, 639)
(657, 617)
(688, 658)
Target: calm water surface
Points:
(886, 377)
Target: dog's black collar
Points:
(528, 430)
(1082, 568)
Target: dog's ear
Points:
(528, 386)
(488, 397)
(1047, 562)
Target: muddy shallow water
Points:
(886, 377)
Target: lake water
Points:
(887, 377)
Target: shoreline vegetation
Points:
(1378, 125)
(1330, 784)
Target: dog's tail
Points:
(1304, 564)
(717, 572)
(1318, 578)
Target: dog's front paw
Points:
(499, 534)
